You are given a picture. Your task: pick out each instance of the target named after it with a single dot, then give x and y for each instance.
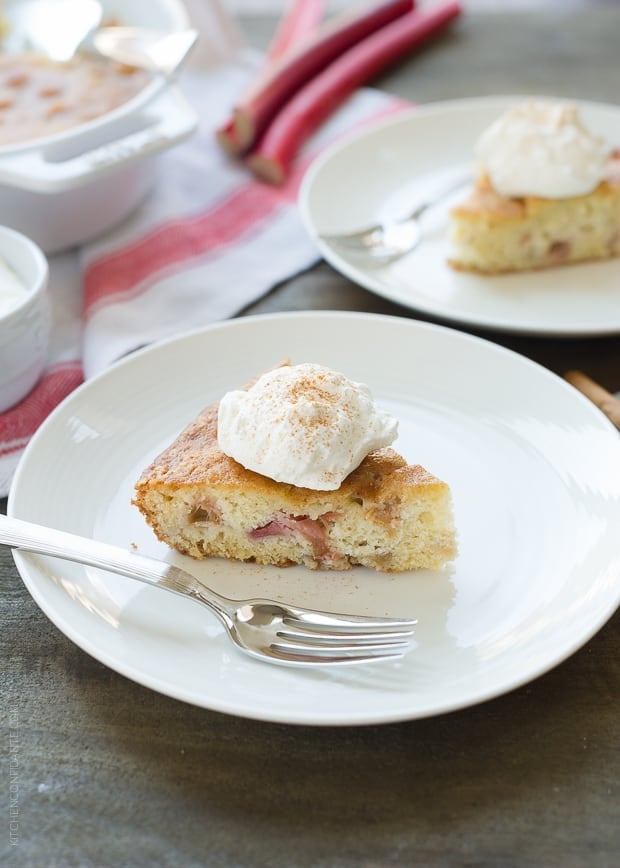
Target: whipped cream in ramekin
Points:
(541, 148)
(303, 424)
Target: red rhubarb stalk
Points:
(226, 138)
(312, 104)
(300, 19)
(259, 106)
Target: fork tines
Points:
(338, 639)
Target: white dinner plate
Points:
(535, 474)
(389, 168)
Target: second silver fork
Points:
(391, 238)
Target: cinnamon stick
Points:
(604, 400)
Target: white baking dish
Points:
(67, 188)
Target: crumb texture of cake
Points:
(547, 194)
(386, 515)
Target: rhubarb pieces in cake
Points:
(297, 469)
(547, 194)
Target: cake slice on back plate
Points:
(351, 500)
(547, 194)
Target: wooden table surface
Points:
(114, 774)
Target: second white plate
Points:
(390, 167)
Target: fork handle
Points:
(43, 540)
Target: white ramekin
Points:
(24, 328)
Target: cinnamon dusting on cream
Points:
(304, 425)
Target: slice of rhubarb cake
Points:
(547, 194)
(352, 500)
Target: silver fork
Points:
(265, 629)
(391, 238)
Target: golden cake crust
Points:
(484, 200)
(195, 458)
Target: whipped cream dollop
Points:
(303, 424)
(541, 148)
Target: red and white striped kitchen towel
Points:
(207, 242)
